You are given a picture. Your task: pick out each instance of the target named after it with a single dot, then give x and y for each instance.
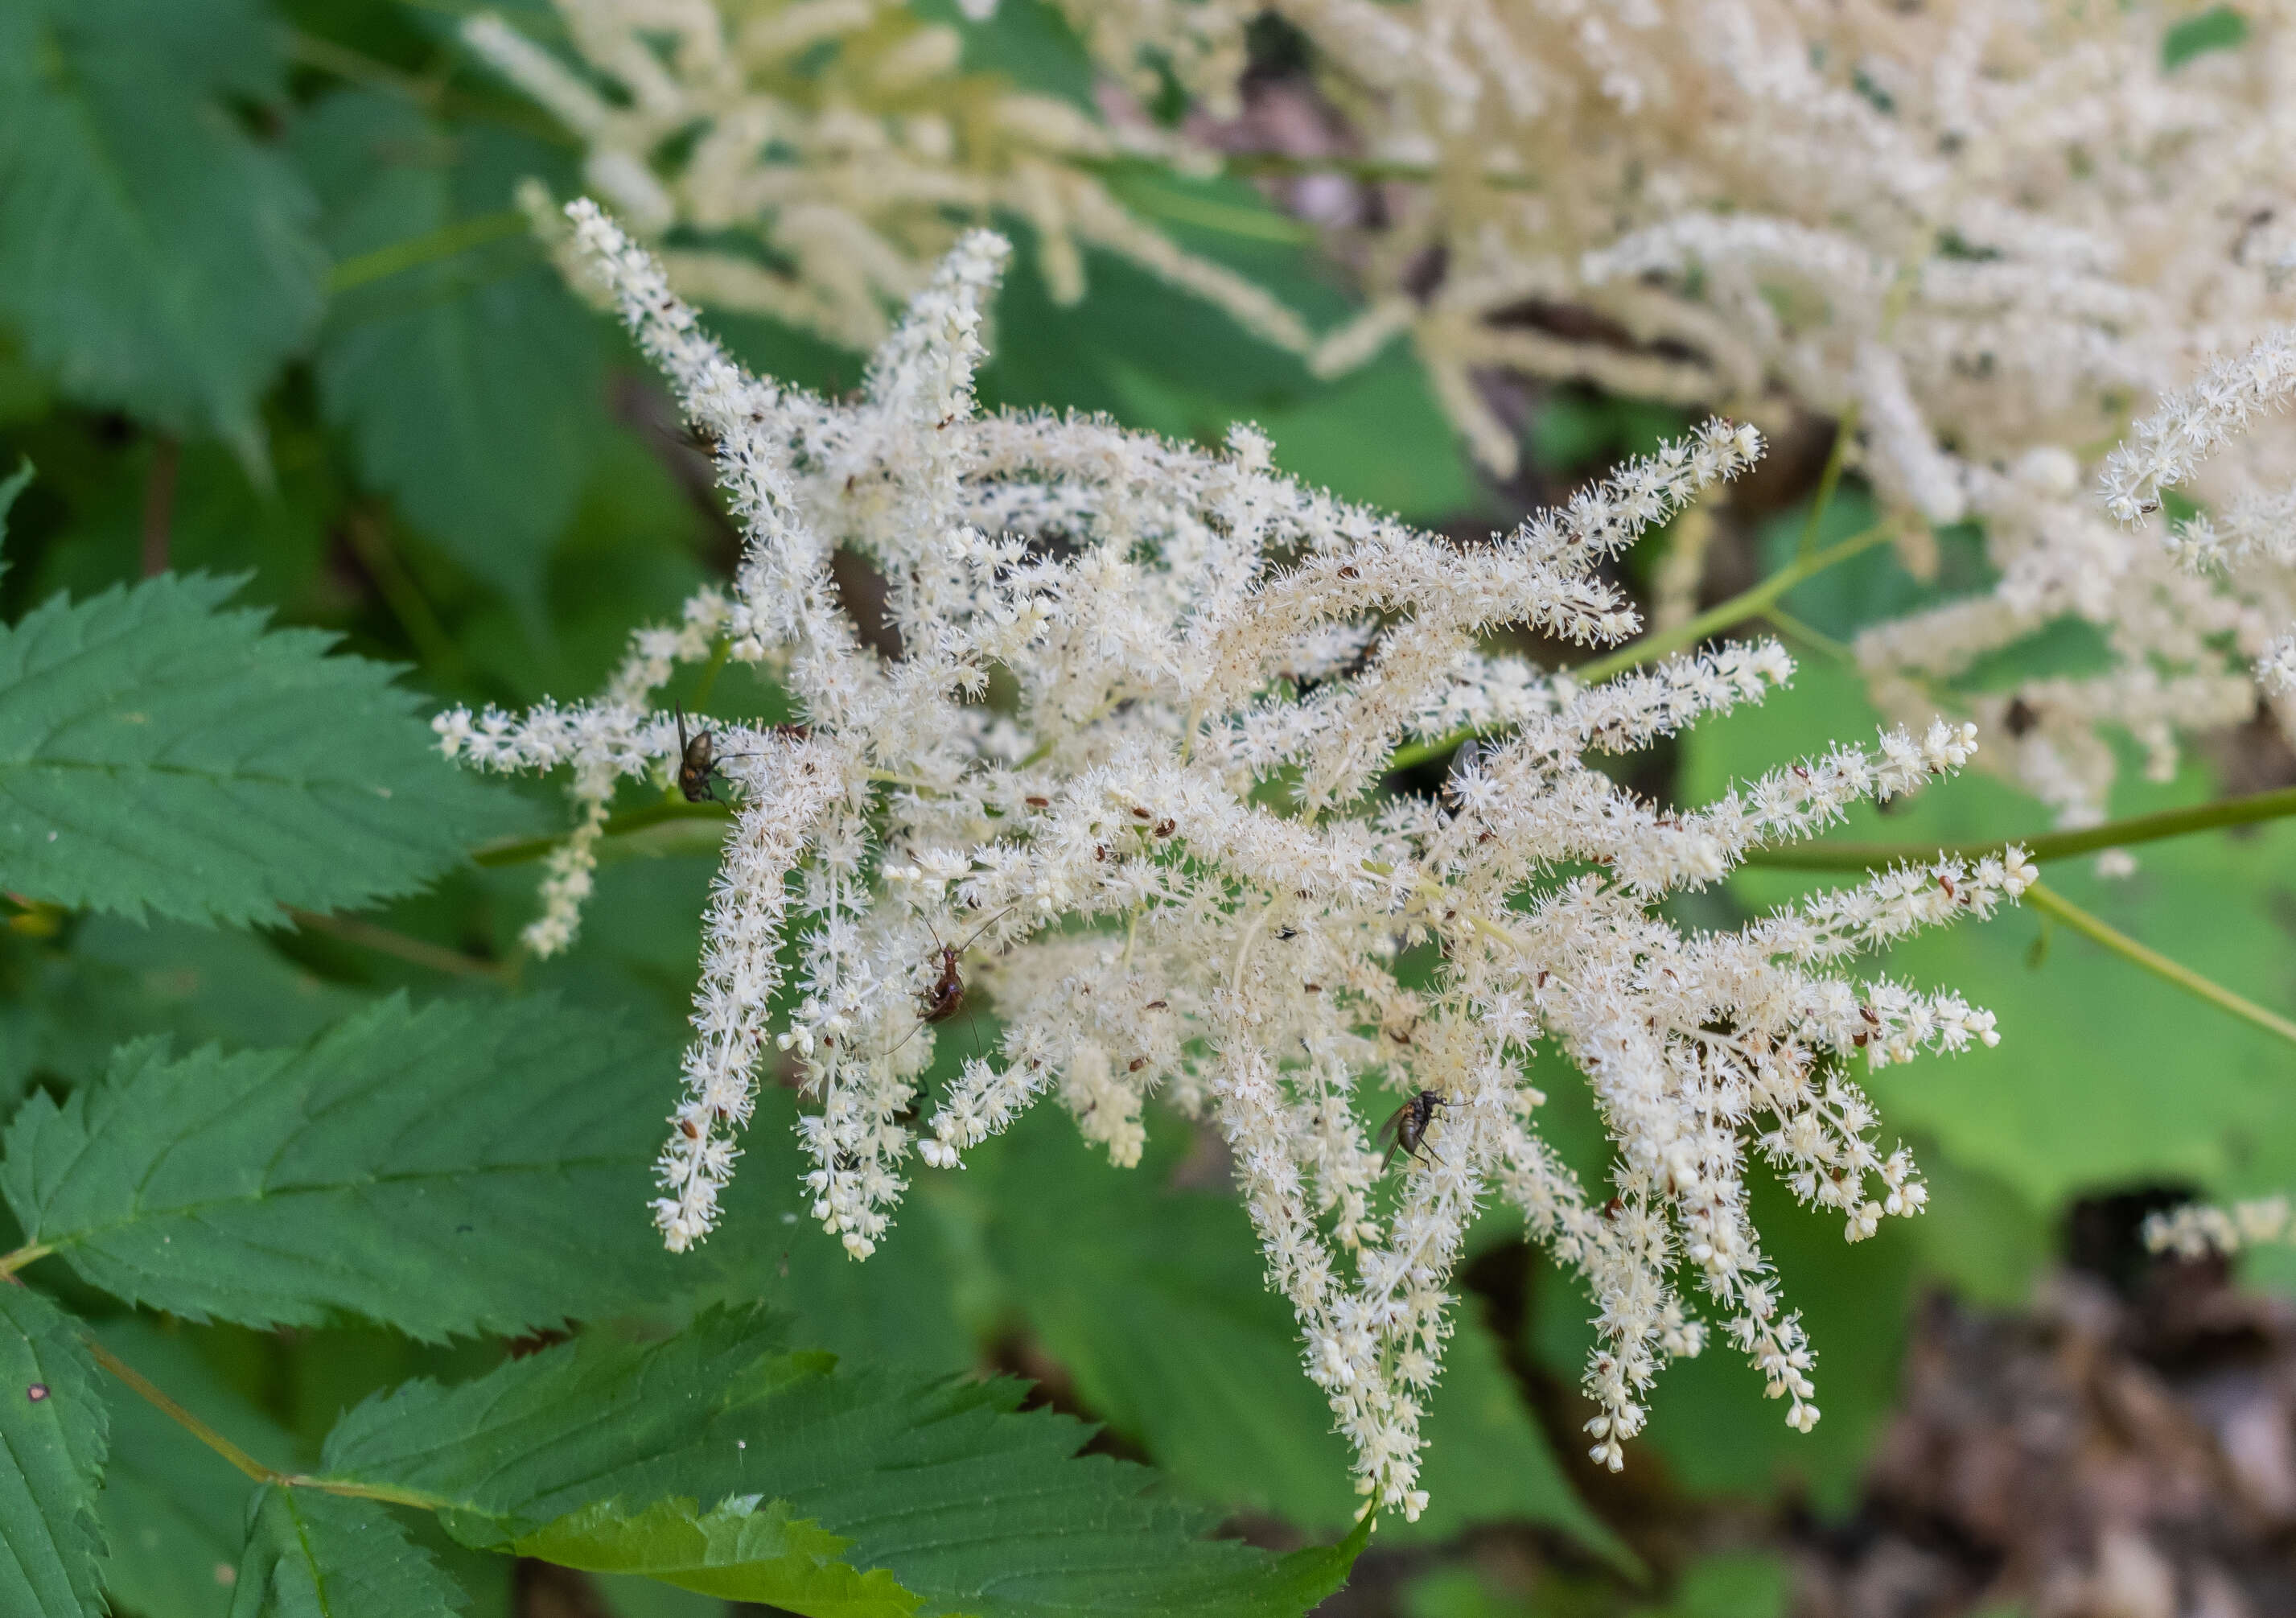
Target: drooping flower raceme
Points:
(1981, 232)
(1164, 854)
(812, 158)
(2239, 549)
(2200, 1230)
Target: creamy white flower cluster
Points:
(1984, 230)
(813, 156)
(2200, 1230)
(2247, 548)
(1122, 775)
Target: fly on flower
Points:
(1408, 1124)
(698, 760)
(943, 1000)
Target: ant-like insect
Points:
(1409, 1123)
(945, 998)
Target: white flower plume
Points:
(1978, 233)
(844, 139)
(1162, 855)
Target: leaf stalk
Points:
(2246, 810)
(2050, 903)
(182, 1418)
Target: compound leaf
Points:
(54, 1435)
(311, 1554)
(936, 1493)
(466, 1167)
(154, 258)
(158, 751)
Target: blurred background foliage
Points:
(268, 311)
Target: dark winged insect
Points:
(698, 760)
(1409, 1123)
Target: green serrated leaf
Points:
(940, 1485)
(153, 257)
(54, 1435)
(741, 1550)
(466, 1167)
(471, 387)
(160, 752)
(173, 1511)
(311, 1554)
(67, 1003)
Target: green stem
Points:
(401, 594)
(1828, 480)
(1816, 640)
(238, 1458)
(354, 67)
(30, 1253)
(1252, 224)
(435, 94)
(182, 1418)
(1749, 603)
(2048, 902)
(2054, 845)
(383, 940)
(1253, 165)
(522, 850)
(383, 1492)
(710, 670)
(429, 248)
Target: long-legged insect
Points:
(945, 998)
(1409, 1124)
